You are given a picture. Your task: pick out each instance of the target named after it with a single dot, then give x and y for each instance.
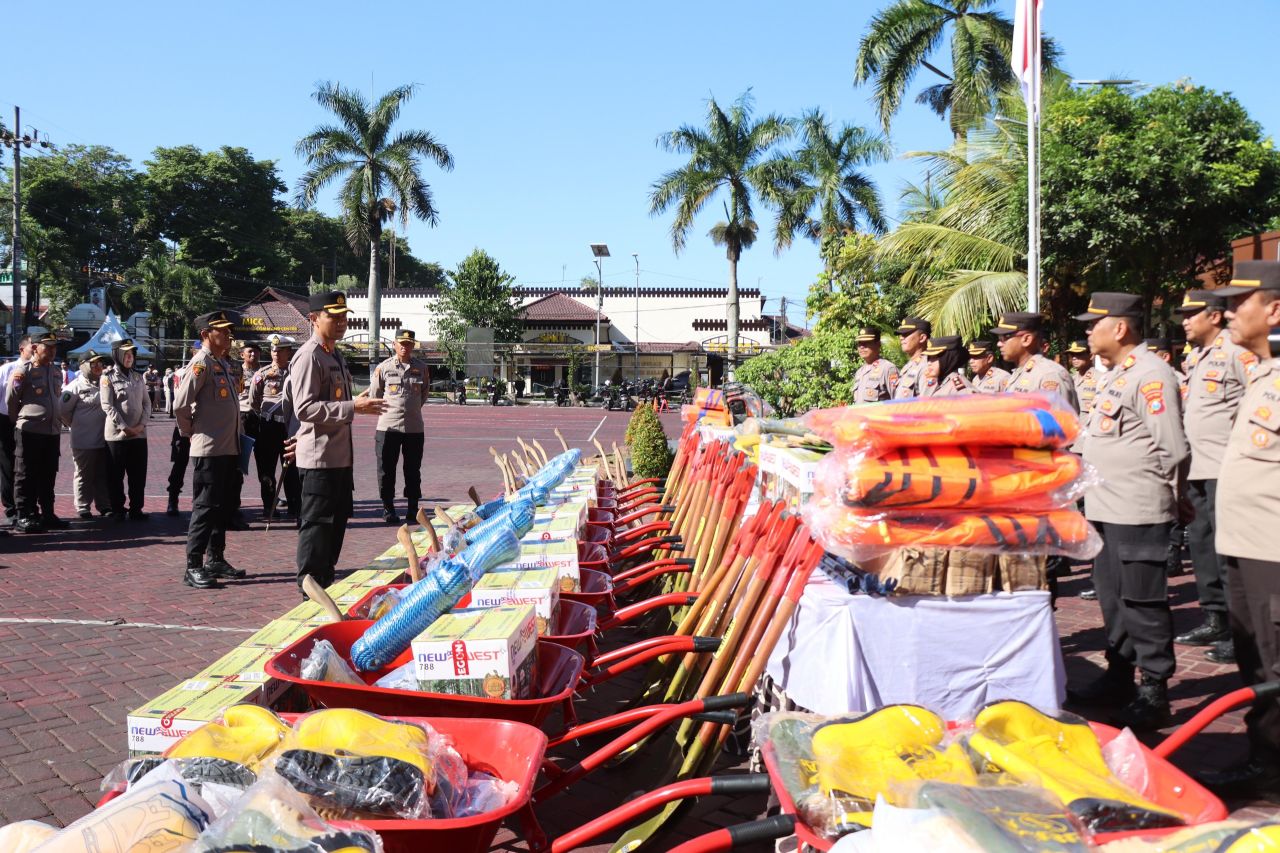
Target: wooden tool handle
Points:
(316, 593)
(406, 541)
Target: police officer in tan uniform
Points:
(32, 397)
(319, 394)
(1020, 335)
(944, 373)
(127, 402)
(400, 381)
(913, 334)
(81, 410)
(1083, 374)
(1247, 513)
(1136, 442)
(1164, 351)
(208, 413)
(877, 378)
(266, 401)
(1217, 373)
(987, 378)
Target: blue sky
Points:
(551, 110)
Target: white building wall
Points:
(667, 318)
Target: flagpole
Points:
(1033, 159)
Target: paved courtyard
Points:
(97, 620)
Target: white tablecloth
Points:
(844, 653)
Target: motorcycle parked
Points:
(460, 393)
(562, 395)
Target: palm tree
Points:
(373, 164)
(822, 192)
(731, 154)
(901, 37)
(173, 293)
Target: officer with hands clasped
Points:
(913, 334)
(208, 414)
(32, 396)
(877, 378)
(401, 383)
(267, 403)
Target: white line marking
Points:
(120, 623)
(597, 429)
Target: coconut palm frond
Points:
(964, 302)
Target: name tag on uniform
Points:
(223, 392)
(337, 392)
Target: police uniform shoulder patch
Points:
(197, 368)
(1049, 385)
(1128, 362)
(257, 379)
(106, 381)
(1153, 393)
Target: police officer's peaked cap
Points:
(868, 335)
(1158, 344)
(124, 345)
(1018, 321)
(981, 348)
(91, 355)
(915, 324)
(217, 320)
(1195, 301)
(1251, 276)
(279, 342)
(406, 335)
(939, 345)
(331, 301)
(1106, 303)
(1080, 346)
(44, 338)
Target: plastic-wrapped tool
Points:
(486, 510)
(498, 545)
(427, 600)
(865, 536)
(1019, 420)
(962, 477)
(519, 514)
(352, 761)
(1001, 818)
(325, 664)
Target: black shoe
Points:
(52, 522)
(1115, 686)
(1149, 711)
(1089, 594)
(138, 515)
(1254, 779)
(28, 525)
(238, 523)
(220, 568)
(199, 577)
(172, 508)
(118, 515)
(390, 517)
(1214, 630)
(86, 516)
(1222, 652)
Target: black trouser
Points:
(326, 506)
(1253, 589)
(8, 449)
(1210, 571)
(266, 454)
(128, 458)
(249, 422)
(1129, 575)
(213, 480)
(388, 446)
(35, 467)
(179, 453)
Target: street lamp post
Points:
(636, 255)
(600, 251)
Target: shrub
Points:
(650, 454)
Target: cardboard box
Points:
(517, 587)
(561, 556)
(246, 665)
(486, 653)
(173, 715)
(564, 508)
(309, 612)
(279, 634)
(552, 530)
(574, 490)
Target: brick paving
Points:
(69, 677)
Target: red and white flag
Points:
(1026, 50)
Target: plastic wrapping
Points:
(1127, 760)
(403, 677)
(24, 836)
(467, 520)
(273, 816)
(866, 536)
(354, 763)
(1001, 818)
(1224, 836)
(484, 793)
(325, 664)
(1019, 420)
(427, 600)
(519, 514)
(495, 542)
(1061, 754)
(486, 510)
(978, 478)
(384, 602)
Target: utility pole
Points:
(783, 331)
(636, 255)
(18, 326)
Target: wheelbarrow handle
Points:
(627, 658)
(1214, 710)
(625, 614)
(731, 837)
(634, 579)
(644, 568)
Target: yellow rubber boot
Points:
(246, 735)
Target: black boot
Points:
(410, 513)
(1150, 710)
(1113, 687)
(218, 567)
(1258, 778)
(1214, 630)
(389, 515)
(1223, 651)
(172, 509)
(198, 576)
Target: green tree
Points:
(732, 153)
(858, 287)
(815, 372)
(173, 293)
(221, 207)
(900, 39)
(479, 294)
(311, 243)
(361, 150)
(650, 451)
(823, 192)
